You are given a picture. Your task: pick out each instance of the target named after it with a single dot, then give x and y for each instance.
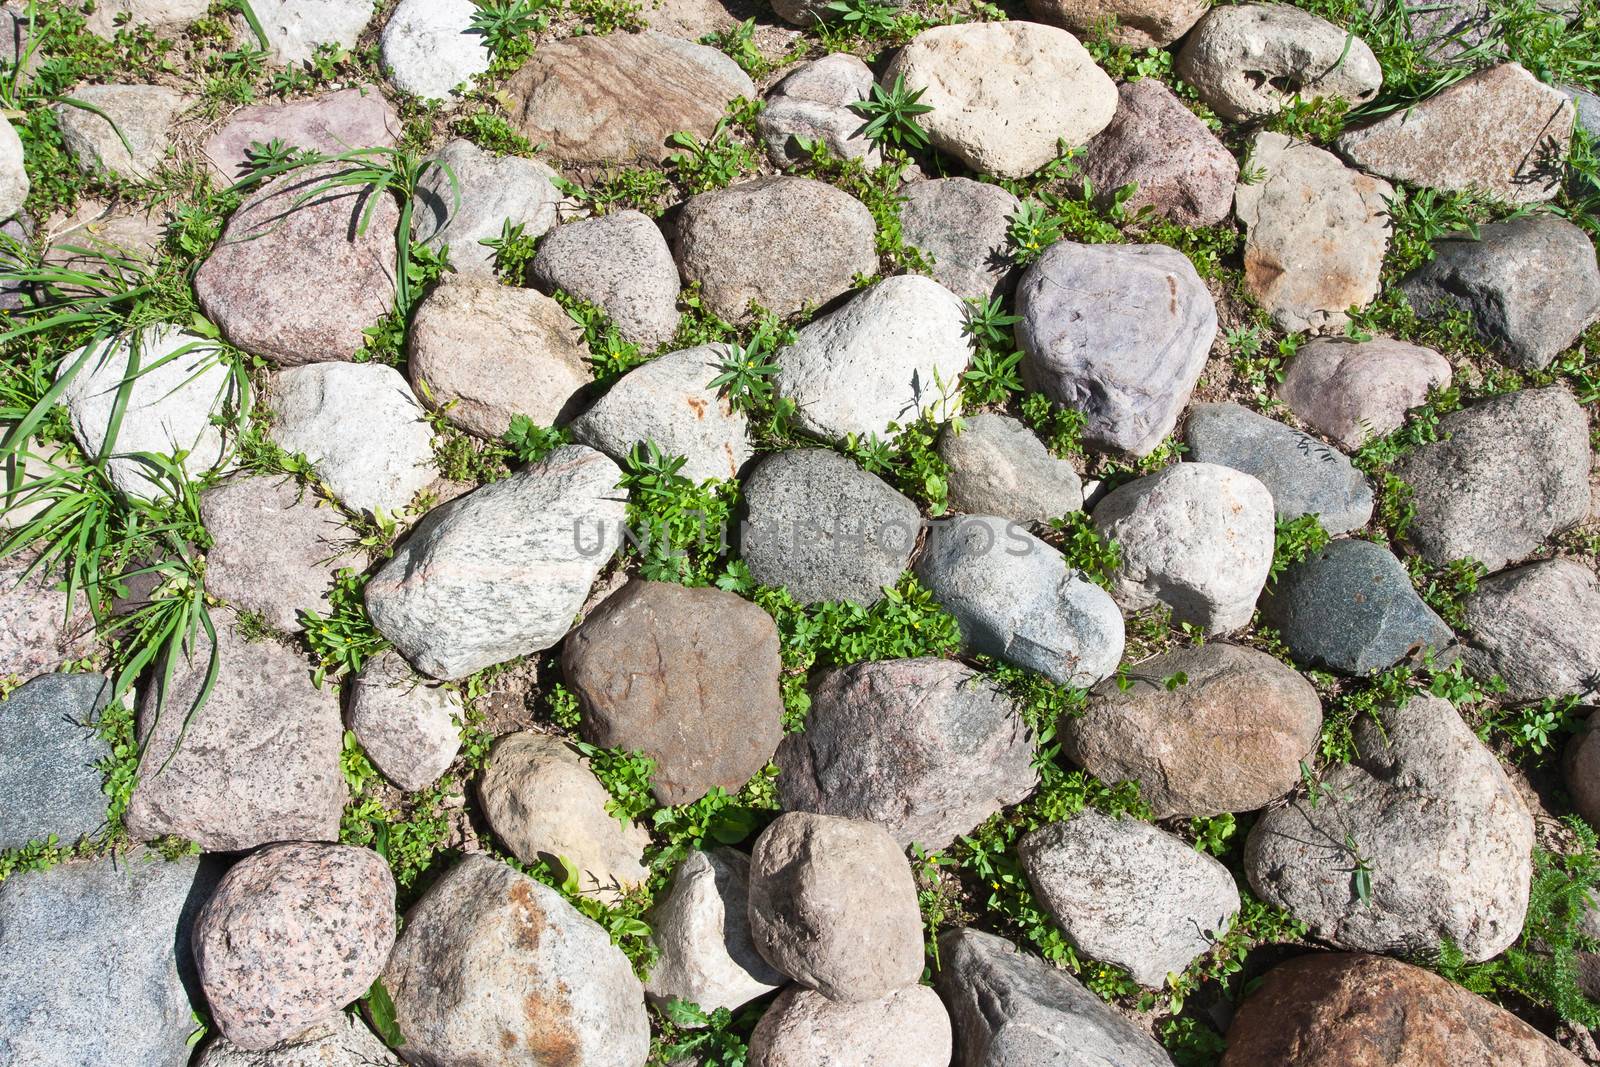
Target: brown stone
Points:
(687, 676)
(1339, 1010)
(1135, 23)
(1351, 391)
(1181, 169)
(332, 123)
(36, 632)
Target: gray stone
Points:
(1429, 810)
(964, 227)
(292, 934)
(49, 756)
(702, 930)
(14, 184)
(97, 960)
(824, 529)
(429, 47)
(541, 799)
(1317, 233)
(257, 762)
(812, 103)
(927, 748)
(1004, 93)
(894, 351)
(1010, 1007)
(1505, 475)
(621, 263)
(1304, 476)
(1586, 106)
(360, 427)
(670, 402)
(1531, 286)
(165, 16)
(999, 467)
(182, 384)
(331, 122)
(1353, 391)
(802, 1028)
(784, 243)
(1197, 537)
(1015, 599)
(295, 28)
(275, 548)
(40, 626)
(1352, 608)
(408, 728)
(502, 571)
(1119, 332)
(1153, 142)
(497, 970)
(1218, 728)
(833, 905)
(1249, 61)
(1538, 628)
(483, 353)
(1581, 769)
(472, 194)
(343, 1041)
(1136, 24)
(135, 140)
(1499, 131)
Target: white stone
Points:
(702, 929)
(405, 725)
(429, 47)
(295, 28)
(14, 183)
(473, 193)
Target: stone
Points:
(1218, 728)
(1317, 232)
(1499, 132)
(802, 1028)
(1250, 60)
(833, 905)
(621, 263)
(1586, 108)
(999, 467)
(502, 571)
(543, 801)
(1129, 894)
(473, 194)
(497, 970)
(670, 401)
(1444, 833)
(1304, 476)
(292, 934)
(131, 133)
(96, 231)
(1538, 628)
(294, 278)
(1352, 608)
(1182, 171)
(1530, 284)
(784, 243)
(49, 760)
(182, 385)
(482, 353)
(1015, 599)
(1010, 1007)
(1004, 93)
(40, 626)
(824, 529)
(97, 959)
(1332, 1009)
(14, 183)
(1581, 769)
(408, 728)
(701, 928)
(893, 351)
(295, 28)
(275, 548)
(1132, 23)
(343, 1041)
(360, 427)
(616, 98)
(331, 122)
(429, 47)
(163, 16)
(964, 227)
(687, 676)
(1355, 391)
(926, 748)
(257, 762)
(812, 103)
(1503, 476)
(1118, 332)
(1197, 537)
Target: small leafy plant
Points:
(891, 115)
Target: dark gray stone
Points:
(1305, 476)
(49, 783)
(963, 226)
(1351, 607)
